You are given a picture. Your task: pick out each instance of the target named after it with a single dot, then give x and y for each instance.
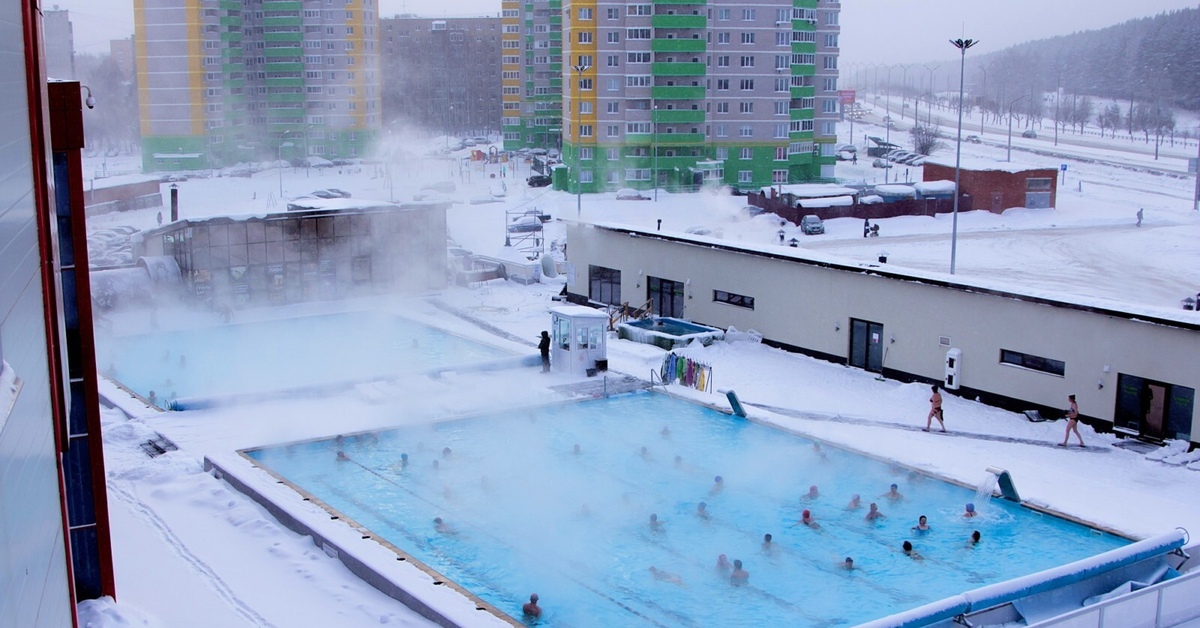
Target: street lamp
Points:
(654, 148)
(579, 70)
(280, 164)
(962, 45)
(904, 87)
(1010, 106)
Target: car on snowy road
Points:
(539, 181)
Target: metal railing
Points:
(1165, 604)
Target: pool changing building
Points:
(1134, 370)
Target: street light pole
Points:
(575, 114)
(1010, 106)
(654, 148)
(962, 45)
(904, 87)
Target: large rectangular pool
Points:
(525, 512)
(281, 354)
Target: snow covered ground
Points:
(190, 551)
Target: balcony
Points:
(669, 139)
(677, 45)
(677, 69)
(677, 92)
(689, 2)
(679, 21)
(685, 116)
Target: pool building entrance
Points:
(578, 502)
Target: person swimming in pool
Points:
(655, 524)
(970, 511)
(441, 526)
(893, 493)
(665, 576)
(855, 502)
(813, 493)
(922, 525)
(446, 453)
(577, 449)
(975, 538)
(702, 511)
(666, 431)
(645, 454)
(341, 456)
(909, 551)
(848, 564)
(806, 519)
(874, 513)
(723, 564)
(768, 547)
(739, 577)
(403, 461)
(718, 486)
(531, 608)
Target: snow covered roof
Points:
(811, 190)
(896, 190)
(934, 187)
(578, 311)
(984, 165)
(834, 201)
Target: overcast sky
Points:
(892, 31)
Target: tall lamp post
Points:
(654, 148)
(1010, 107)
(280, 164)
(962, 45)
(579, 70)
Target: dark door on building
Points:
(997, 202)
(666, 297)
(1153, 410)
(866, 345)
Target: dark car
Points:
(812, 225)
(1029, 133)
(539, 181)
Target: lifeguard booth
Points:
(578, 342)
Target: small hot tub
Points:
(668, 333)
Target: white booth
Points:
(578, 342)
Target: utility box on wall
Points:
(953, 368)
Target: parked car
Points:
(880, 163)
(323, 194)
(339, 193)
(539, 181)
(848, 148)
(524, 224)
(1029, 133)
(629, 194)
(973, 139)
(812, 225)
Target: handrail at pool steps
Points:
(990, 596)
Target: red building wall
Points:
(996, 190)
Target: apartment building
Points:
(224, 81)
(442, 75)
(676, 94)
(60, 44)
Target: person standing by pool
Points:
(874, 513)
(740, 576)
(544, 348)
(1072, 422)
(935, 410)
(531, 608)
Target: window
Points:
(585, 130)
(585, 154)
(779, 176)
(604, 285)
(1033, 362)
(585, 107)
(746, 131)
(613, 84)
(781, 107)
(612, 107)
(722, 131)
(747, 85)
(783, 38)
(831, 40)
(638, 57)
(638, 81)
(723, 61)
(748, 61)
(585, 84)
(829, 85)
(829, 62)
(637, 33)
(746, 107)
(613, 13)
(781, 85)
(640, 9)
(722, 85)
(745, 176)
(637, 127)
(722, 107)
(722, 38)
(781, 131)
(611, 154)
(746, 153)
(722, 153)
(831, 18)
(585, 37)
(720, 296)
(747, 38)
(613, 60)
(781, 153)
(584, 60)
(614, 130)
(613, 37)
(723, 15)
(828, 105)
(585, 14)
(1038, 184)
(748, 15)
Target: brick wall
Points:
(995, 190)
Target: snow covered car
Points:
(812, 225)
(972, 139)
(880, 163)
(629, 194)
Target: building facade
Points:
(674, 94)
(60, 44)
(226, 81)
(442, 74)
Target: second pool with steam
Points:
(525, 512)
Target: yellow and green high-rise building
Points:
(674, 93)
(227, 81)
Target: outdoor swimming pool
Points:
(528, 514)
(280, 354)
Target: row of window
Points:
(782, 16)
(780, 130)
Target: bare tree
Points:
(1110, 118)
(926, 139)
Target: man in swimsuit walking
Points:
(935, 410)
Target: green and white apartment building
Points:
(675, 92)
(227, 81)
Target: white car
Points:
(630, 194)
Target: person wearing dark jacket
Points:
(544, 348)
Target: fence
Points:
(785, 206)
(1167, 603)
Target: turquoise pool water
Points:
(527, 514)
(672, 326)
(281, 354)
